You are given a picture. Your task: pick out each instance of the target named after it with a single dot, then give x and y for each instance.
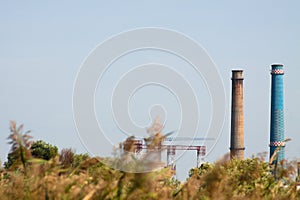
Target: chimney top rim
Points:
(237, 70)
(277, 64)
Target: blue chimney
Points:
(277, 116)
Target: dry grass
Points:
(60, 178)
(249, 179)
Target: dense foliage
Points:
(239, 179)
(72, 176)
(248, 179)
(43, 150)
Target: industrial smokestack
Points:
(237, 116)
(277, 119)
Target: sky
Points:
(43, 45)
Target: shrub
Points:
(79, 158)
(66, 157)
(43, 150)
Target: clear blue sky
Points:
(42, 46)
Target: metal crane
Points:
(172, 148)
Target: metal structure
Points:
(277, 110)
(171, 150)
(237, 116)
(171, 153)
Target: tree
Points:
(43, 150)
(66, 157)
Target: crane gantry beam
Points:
(171, 151)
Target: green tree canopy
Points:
(43, 150)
